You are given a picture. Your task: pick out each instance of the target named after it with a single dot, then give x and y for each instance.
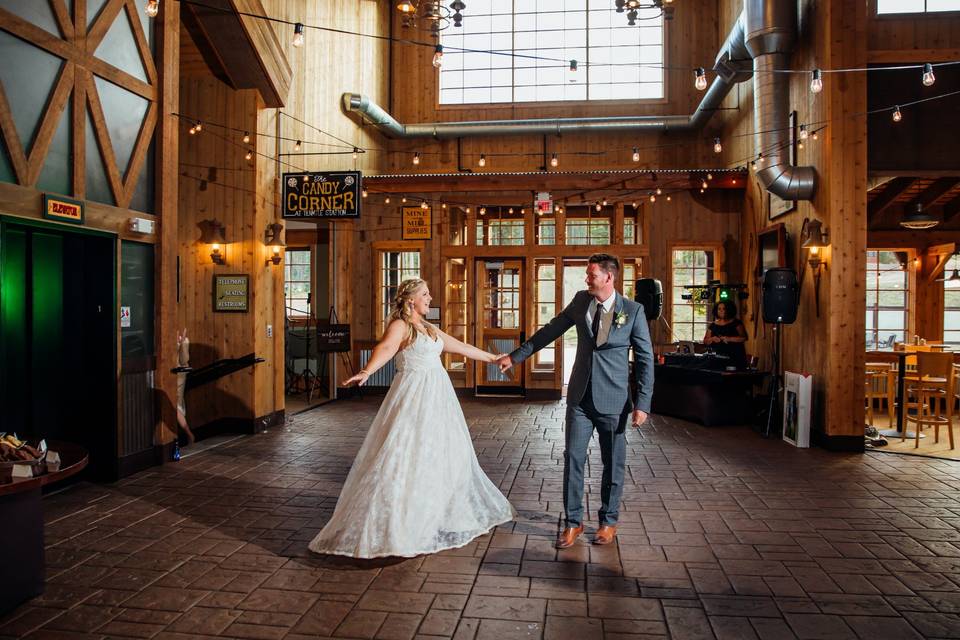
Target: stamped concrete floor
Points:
(723, 534)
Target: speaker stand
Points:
(776, 380)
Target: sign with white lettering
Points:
(231, 292)
(333, 338)
(324, 194)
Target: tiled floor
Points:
(723, 535)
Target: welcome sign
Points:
(324, 194)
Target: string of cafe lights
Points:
(928, 77)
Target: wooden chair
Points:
(880, 383)
(933, 386)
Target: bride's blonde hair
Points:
(403, 310)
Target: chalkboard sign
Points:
(324, 194)
(333, 338)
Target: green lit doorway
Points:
(58, 337)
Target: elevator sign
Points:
(62, 209)
(324, 194)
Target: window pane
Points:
(899, 6)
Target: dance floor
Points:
(723, 534)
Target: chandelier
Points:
(631, 8)
(430, 15)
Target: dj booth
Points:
(699, 388)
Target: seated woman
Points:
(726, 335)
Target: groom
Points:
(598, 397)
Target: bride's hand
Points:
(491, 358)
(360, 378)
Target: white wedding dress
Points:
(416, 486)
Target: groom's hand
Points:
(639, 417)
(504, 362)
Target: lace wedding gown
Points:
(416, 486)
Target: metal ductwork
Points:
(770, 30)
(732, 66)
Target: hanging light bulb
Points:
(298, 35)
(669, 198)
(306, 178)
(702, 190)
(636, 154)
(467, 210)
(653, 197)
(152, 8)
(816, 82)
(198, 126)
(799, 144)
(356, 152)
(700, 81)
(604, 202)
(403, 200)
(703, 185)
(815, 135)
(192, 130)
(438, 56)
(443, 205)
(483, 160)
(246, 137)
(424, 205)
(554, 161)
(572, 71)
(634, 203)
(249, 155)
(928, 77)
(717, 147)
(363, 193)
(897, 116)
(803, 132)
(598, 207)
(753, 165)
(483, 211)
(659, 191)
(510, 210)
(386, 200)
(416, 157)
(709, 176)
(297, 145)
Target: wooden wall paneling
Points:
(913, 37)
(167, 201)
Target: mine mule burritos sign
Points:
(327, 194)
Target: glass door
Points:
(499, 322)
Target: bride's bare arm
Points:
(452, 345)
(382, 352)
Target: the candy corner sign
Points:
(325, 194)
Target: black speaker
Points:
(780, 295)
(649, 293)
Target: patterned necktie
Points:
(598, 310)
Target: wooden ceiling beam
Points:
(932, 193)
(951, 209)
(891, 192)
(583, 183)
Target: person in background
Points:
(726, 335)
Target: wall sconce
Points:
(214, 236)
(272, 238)
(814, 240)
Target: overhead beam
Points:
(932, 193)
(890, 193)
(951, 209)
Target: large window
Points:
(546, 292)
(296, 282)
(690, 314)
(916, 6)
(496, 232)
(887, 298)
(520, 51)
(395, 267)
(588, 229)
(951, 304)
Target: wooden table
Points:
(701, 395)
(21, 513)
(900, 357)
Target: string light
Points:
(703, 185)
(554, 161)
(356, 152)
(424, 205)
(246, 137)
(799, 144)
(634, 204)
(803, 132)
(659, 191)
(815, 135)
(653, 197)
(438, 56)
(483, 211)
(152, 8)
(717, 147)
(700, 81)
(386, 200)
(416, 157)
(928, 77)
(483, 160)
(443, 205)
(510, 210)
(297, 145)
(709, 176)
(816, 83)
(598, 207)
(249, 155)
(403, 200)
(192, 129)
(363, 193)
(669, 198)
(298, 35)
(604, 202)
(636, 154)
(897, 116)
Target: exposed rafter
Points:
(891, 192)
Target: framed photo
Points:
(775, 205)
(231, 292)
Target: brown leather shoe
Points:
(605, 534)
(568, 536)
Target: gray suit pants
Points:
(582, 419)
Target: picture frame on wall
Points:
(776, 206)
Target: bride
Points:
(416, 486)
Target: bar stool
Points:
(933, 386)
(880, 383)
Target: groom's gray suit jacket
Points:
(605, 368)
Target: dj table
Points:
(705, 396)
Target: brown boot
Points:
(605, 534)
(569, 536)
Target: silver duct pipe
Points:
(732, 66)
(770, 32)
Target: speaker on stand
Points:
(780, 297)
